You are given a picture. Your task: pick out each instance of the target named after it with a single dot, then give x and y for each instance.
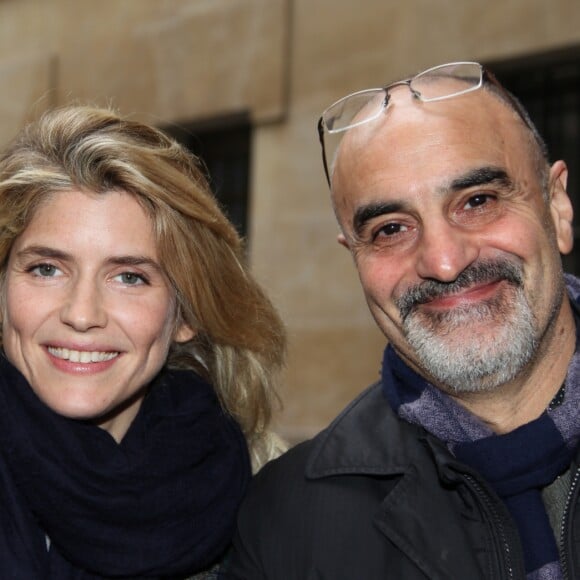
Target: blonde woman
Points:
(138, 356)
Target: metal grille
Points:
(224, 147)
(548, 85)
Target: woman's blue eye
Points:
(44, 270)
(131, 279)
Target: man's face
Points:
(456, 242)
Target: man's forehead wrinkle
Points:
(477, 176)
(403, 113)
(394, 202)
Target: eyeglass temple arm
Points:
(321, 137)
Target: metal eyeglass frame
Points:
(485, 76)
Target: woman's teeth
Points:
(82, 356)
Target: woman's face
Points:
(89, 315)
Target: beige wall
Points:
(283, 61)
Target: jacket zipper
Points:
(564, 524)
(498, 521)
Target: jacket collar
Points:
(369, 439)
(366, 438)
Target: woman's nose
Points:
(83, 307)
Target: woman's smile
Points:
(81, 356)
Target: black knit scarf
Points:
(162, 503)
(517, 465)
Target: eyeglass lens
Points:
(364, 106)
(463, 77)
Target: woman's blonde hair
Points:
(239, 343)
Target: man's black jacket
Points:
(375, 497)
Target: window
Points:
(548, 85)
(224, 147)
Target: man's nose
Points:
(445, 251)
(83, 307)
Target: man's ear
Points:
(561, 207)
(341, 239)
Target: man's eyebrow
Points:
(481, 176)
(473, 178)
(372, 210)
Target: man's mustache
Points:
(479, 272)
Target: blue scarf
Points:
(161, 503)
(517, 465)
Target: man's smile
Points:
(468, 296)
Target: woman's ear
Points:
(183, 333)
(561, 209)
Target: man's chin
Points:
(452, 325)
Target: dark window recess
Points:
(224, 147)
(548, 85)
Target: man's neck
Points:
(526, 397)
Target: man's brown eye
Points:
(390, 229)
(478, 200)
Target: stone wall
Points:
(282, 61)
(163, 60)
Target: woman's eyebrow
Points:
(135, 261)
(56, 254)
(43, 252)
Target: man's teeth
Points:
(82, 356)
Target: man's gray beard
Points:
(467, 359)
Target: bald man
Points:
(461, 462)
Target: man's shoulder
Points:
(367, 438)
(280, 491)
(333, 482)
(289, 466)
(277, 495)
